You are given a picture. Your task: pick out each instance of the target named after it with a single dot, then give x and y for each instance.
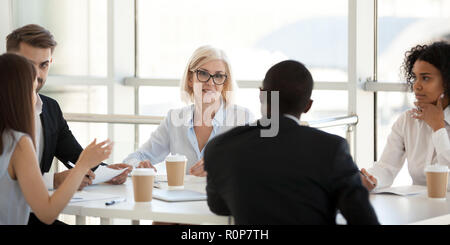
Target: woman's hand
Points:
(198, 169)
(121, 178)
(58, 178)
(433, 115)
(146, 164)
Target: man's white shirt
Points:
(48, 178)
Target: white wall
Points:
(5, 23)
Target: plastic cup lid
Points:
(143, 172)
(436, 168)
(176, 158)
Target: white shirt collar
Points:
(447, 114)
(38, 105)
(297, 120)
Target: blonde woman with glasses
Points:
(207, 86)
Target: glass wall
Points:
(79, 27)
(82, 99)
(254, 38)
(402, 24)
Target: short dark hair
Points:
(33, 35)
(16, 87)
(437, 54)
(294, 83)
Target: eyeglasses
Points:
(204, 76)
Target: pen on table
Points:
(157, 184)
(115, 201)
(368, 179)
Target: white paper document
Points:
(402, 190)
(83, 196)
(178, 195)
(103, 173)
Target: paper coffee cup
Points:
(176, 170)
(143, 179)
(437, 179)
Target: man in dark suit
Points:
(53, 136)
(300, 176)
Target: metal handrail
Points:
(105, 118)
(167, 82)
(334, 122)
(155, 120)
(379, 86)
(350, 121)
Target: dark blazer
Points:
(301, 176)
(58, 142)
(58, 139)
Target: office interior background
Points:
(118, 63)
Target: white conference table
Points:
(416, 209)
(390, 209)
(408, 210)
(194, 212)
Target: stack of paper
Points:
(83, 196)
(178, 195)
(402, 190)
(103, 173)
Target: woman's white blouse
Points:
(176, 135)
(414, 140)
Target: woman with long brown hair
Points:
(21, 184)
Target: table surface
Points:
(390, 209)
(398, 210)
(194, 212)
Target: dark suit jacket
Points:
(58, 139)
(58, 142)
(301, 176)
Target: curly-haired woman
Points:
(420, 135)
